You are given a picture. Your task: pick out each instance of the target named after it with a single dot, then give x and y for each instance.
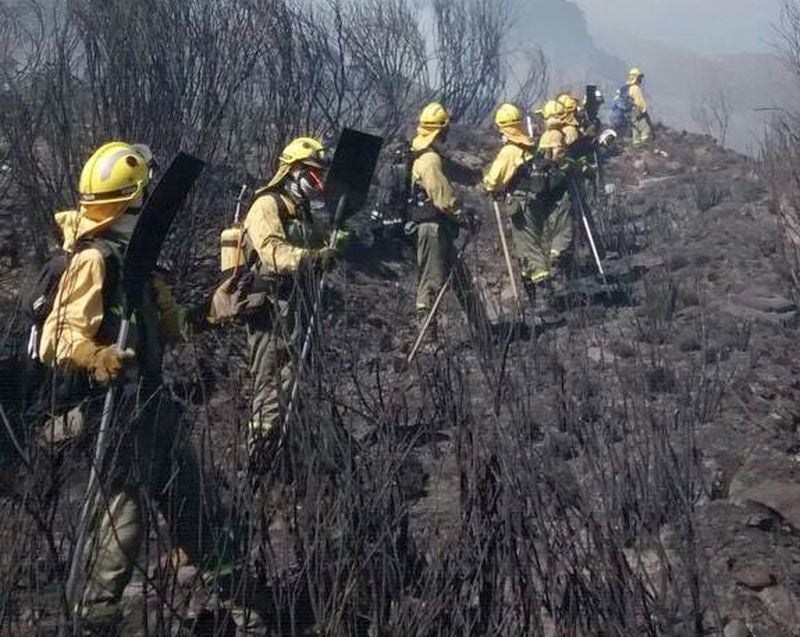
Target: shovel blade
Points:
(352, 169)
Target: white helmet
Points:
(608, 137)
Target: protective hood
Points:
(277, 179)
(554, 123)
(88, 221)
(571, 119)
(426, 136)
(516, 135)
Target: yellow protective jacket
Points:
(636, 95)
(428, 173)
(78, 309)
(505, 166)
(553, 144)
(278, 234)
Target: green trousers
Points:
(640, 129)
(541, 232)
(273, 338)
(437, 256)
(150, 456)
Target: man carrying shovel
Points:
(278, 272)
(111, 316)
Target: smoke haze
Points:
(705, 26)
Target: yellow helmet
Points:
(635, 72)
(568, 102)
(304, 150)
(301, 150)
(116, 172)
(434, 115)
(552, 109)
(508, 115)
(433, 119)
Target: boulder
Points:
(783, 605)
(781, 497)
(736, 628)
(755, 577)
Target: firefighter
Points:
(150, 454)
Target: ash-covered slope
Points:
(632, 470)
(629, 471)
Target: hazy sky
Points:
(707, 26)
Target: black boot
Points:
(530, 291)
(540, 300)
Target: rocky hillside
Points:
(651, 435)
(631, 470)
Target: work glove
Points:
(104, 364)
(340, 239)
(324, 259)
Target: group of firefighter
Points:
(282, 244)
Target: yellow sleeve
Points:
(428, 172)
(637, 97)
(264, 229)
(503, 168)
(77, 309)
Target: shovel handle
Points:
(76, 563)
(340, 206)
(506, 254)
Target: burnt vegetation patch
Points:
(600, 476)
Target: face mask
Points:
(306, 185)
(126, 224)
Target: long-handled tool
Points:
(438, 300)
(140, 260)
(76, 564)
(506, 254)
(577, 198)
(312, 322)
(347, 183)
(429, 319)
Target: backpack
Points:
(394, 195)
(243, 291)
(623, 101)
(537, 177)
(397, 184)
(621, 107)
